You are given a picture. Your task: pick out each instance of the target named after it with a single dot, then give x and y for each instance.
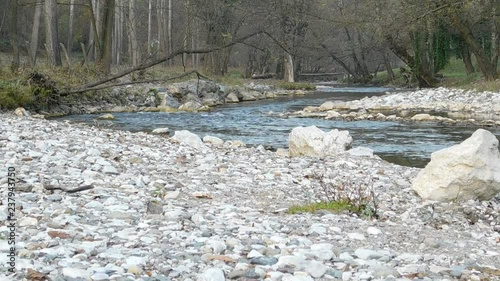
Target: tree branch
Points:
(146, 64)
(138, 82)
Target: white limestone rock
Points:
(311, 141)
(213, 140)
(470, 170)
(423, 117)
(160, 131)
(189, 139)
(361, 151)
(107, 116)
(21, 112)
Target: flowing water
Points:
(404, 143)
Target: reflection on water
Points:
(407, 144)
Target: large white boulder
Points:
(470, 170)
(189, 139)
(311, 141)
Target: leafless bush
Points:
(354, 190)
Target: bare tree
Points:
(150, 24)
(105, 56)
(69, 45)
(34, 33)
(14, 34)
(134, 44)
(170, 41)
(51, 32)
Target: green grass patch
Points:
(13, 95)
(336, 207)
(296, 86)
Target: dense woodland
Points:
(282, 37)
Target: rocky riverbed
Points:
(190, 96)
(160, 210)
(436, 105)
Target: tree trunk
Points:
(34, 33)
(107, 22)
(340, 62)
(170, 42)
(134, 45)
(94, 42)
(150, 22)
(424, 77)
(288, 68)
(14, 35)
(69, 45)
(159, 19)
(487, 68)
(466, 58)
(51, 32)
(496, 37)
(388, 67)
(118, 35)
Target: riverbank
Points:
(451, 106)
(161, 210)
(191, 96)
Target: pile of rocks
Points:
(437, 105)
(164, 209)
(201, 95)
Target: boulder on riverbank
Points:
(311, 141)
(189, 139)
(470, 170)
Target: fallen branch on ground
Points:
(74, 190)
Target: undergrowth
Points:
(335, 193)
(296, 86)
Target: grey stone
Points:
(264, 260)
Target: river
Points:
(404, 143)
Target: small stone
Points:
(99, 276)
(160, 131)
(299, 263)
(346, 276)
(134, 269)
(107, 116)
(28, 221)
(367, 254)
(316, 269)
(254, 254)
(432, 242)
(54, 197)
(21, 112)
(173, 195)
(154, 207)
(356, 236)
(75, 273)
(373, 231)
(217, 246)
(264, 260)
(213, 140)
(235, 274)
(212, 274)
(438, 269)
(109, 170)
(252, 274)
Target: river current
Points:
(404, 143)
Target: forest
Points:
(277, 38)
